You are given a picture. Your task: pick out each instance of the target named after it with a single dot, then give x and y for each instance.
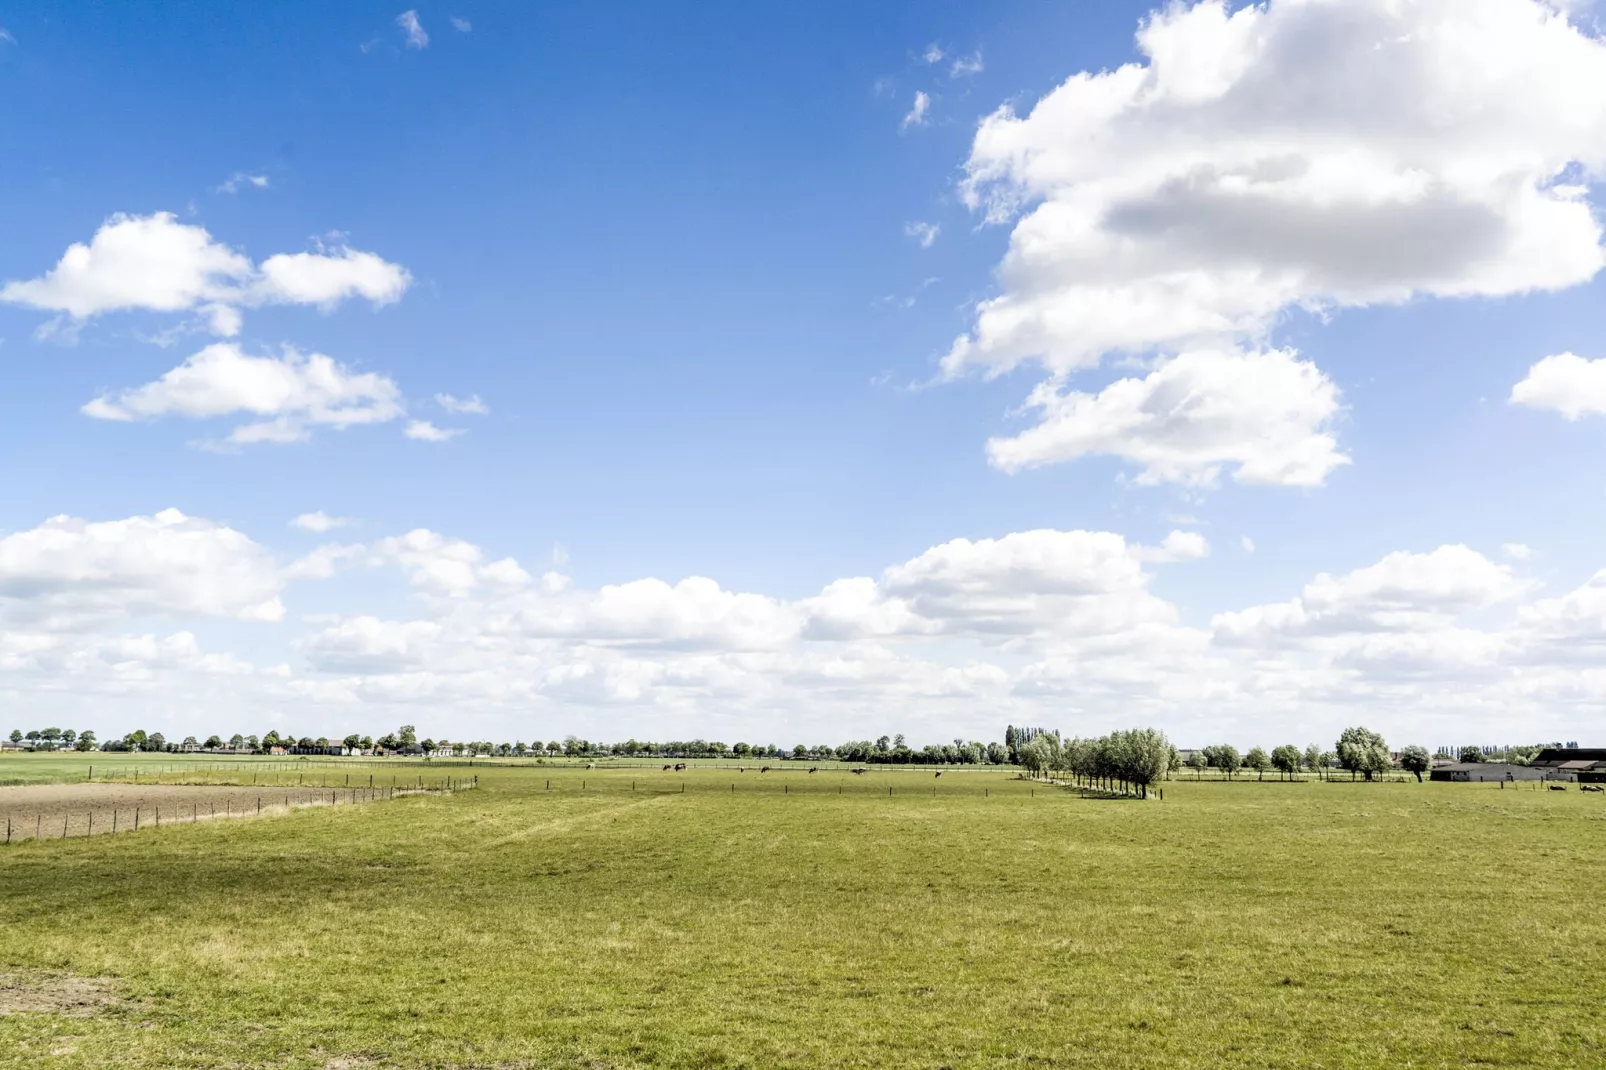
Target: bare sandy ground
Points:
(51, 811)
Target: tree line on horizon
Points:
(1133, 755)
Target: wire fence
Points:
(70, 820)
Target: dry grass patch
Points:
(77, 997)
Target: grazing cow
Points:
(816, 769)
(1590, 787)
(939, 772)
(857, 772)
(741, 768)
(1557, 787)
(765, 769)
(679, 766)
(666, 768)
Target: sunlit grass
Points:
(814, 920)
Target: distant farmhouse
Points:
(1587, 765)
(1485, 771)
(1582, 764)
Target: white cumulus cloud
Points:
(296, 391)
(158, 264)
(1566, 383)
(1316, 154)
(1268, 415)
(69, 573)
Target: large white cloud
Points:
(1060, 628)
(158, 264)
(1402, 592)
(295, 391)
(1564, 383)
(1267, 414)
(69, 573)
(1300, 153)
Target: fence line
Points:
(140, 816)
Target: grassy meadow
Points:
(663, 920)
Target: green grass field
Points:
(995, 924)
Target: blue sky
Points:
(678, 255)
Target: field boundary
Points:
(46, 821)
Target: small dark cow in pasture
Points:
(741, 768)
(856, 772)
(816, 769)
(1557, 787)
(939, 772)
(591, 765)
(679, 766)
(765, 769)
(667, 768)
(1590, 787)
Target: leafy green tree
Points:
(1040, 755)
(16, 735)
(136, 740)
(237, 741)
(428, 745)
(1313, 758)
(1471, 754)
(189, 741)
(1258, 760)
(52, 734)
(1416, 759)
(214, 742)
(1141, 756)
(407, 736)
(1224, 756)
(1198, 761)
(1286, 758)
(1360, 750)
(68, 735)
(353, 741)
(86, 740)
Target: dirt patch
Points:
(78, 997)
